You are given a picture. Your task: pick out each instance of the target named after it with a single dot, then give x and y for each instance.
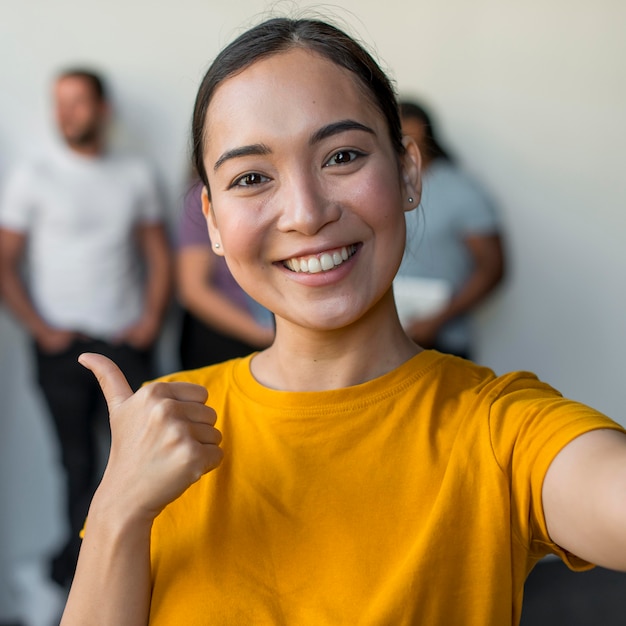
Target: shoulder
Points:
(446, 175)
(29, 169)
(512, 399)
(131, 166)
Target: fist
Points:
(163, 438)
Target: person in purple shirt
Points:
(220, 321)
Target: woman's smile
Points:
(323, 262)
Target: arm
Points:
(154, 247)
(584, 498)
(194, 267)
(15, 294)
(162, 440)
(488, 259)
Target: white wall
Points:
(530, 94)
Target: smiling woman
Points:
(355, 478)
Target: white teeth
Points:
(326, 261)
(314, 265)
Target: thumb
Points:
(112, 381)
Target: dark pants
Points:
(80, 416)
(200, 345)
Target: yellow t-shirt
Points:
(414, 498)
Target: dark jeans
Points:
(200, 345)
(79, 413)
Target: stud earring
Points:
(410, 200)
(217, 246)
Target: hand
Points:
(54, 340)
(162, 440)
(264, 337)
(424, 331)
(141, 335)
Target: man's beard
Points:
(86, 137)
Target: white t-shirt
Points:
(79, 215)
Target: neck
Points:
(303, 359)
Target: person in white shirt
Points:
(87, 226)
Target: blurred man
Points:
(89, 224)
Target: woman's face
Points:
(307, 193)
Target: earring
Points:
(217, 246)
(410, 200)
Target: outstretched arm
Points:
(584, 498)
(162, 441)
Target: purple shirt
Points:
(192, 231)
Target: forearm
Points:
(157, 292)
(218, 312)
(163, 440)
(159, 279)
(18, 301)
(470, 295)
(111, 586)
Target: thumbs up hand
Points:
(162, 439)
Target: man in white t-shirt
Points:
(89, 225)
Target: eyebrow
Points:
(338, 127)
(259, 149)
(251, 150)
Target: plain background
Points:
(529, 94)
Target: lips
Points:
(320, 262)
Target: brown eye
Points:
(250, 179)
(342, 157)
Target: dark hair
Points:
(94, 79)
(279, 34)
(411, 110)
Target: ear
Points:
(411, 166)
(214, 234)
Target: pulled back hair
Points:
(412, 110)
(96, 82)
(280, 34)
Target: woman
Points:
(453, 243)
(220, 321)
(361, 479)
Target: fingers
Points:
(112, 381)
(205, 434)
(197, 413)
(185, 392)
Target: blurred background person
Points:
(220, 321)
(89, 225)
(454, 254)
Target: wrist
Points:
(112, 510)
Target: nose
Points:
(306, 207)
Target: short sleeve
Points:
(530, 423)
(478, 214)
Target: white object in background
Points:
(418, 298)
